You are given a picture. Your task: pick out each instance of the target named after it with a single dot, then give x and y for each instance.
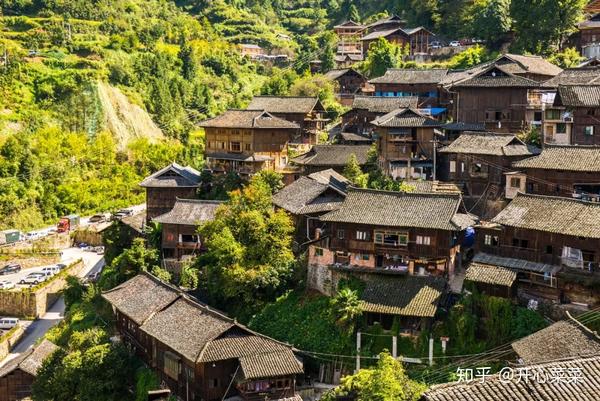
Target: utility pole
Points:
(430, 351)
(395, 347)
(357, 352)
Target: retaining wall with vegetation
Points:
(35, 302)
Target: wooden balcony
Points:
(362, 246)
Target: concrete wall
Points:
(27, 303)
(9, 342)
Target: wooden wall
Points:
(161, 200)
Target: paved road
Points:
(39, 327)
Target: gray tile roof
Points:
(563, 339)
(398, 209)
(31, 360)
(522, 64)
(434, 186)
(514, 264)
(411, 76)
(333, 155)
(490, 274)
(331, 177)
(489, 143)
(196, 331)
(493, 389)
(383, 34)
(383, 104)
(564, 158)
(402, 295)
(140, 297)
(575, 76)
(350, 136)
(137, 222)
(238, 156)
(285, 104)
(405, 118)
(249, 119)
(460, 126)
(503, 78)
(579, 95)
(552, 215)
(270, 364)
(190, 212)
(323, 191)
(172, 176)
(337, 73)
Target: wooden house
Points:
(196, 351)
(348, 83)
(415, 39)
(367, 108)
(350, 138)
(390, 233)
(477, 161)
(336, 157)
(248, 141)
(513, 389)
(168, 184)
(349, 33)
(423, 84)
(405, 143)
(559, 170)
(251, 50)
(18, 374)
(582, 105)
(491, 280)
(341, 61)
(589, 36)
(180, 225)
(561, 340)
(310, 197)
(306, 111)
(385, 24)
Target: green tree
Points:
(382, 56)
(347, 308)
(387, 381)
(138, 258)
(491, 21)
(353, 172)
(74, 291)
(353, 13)
(568, 58)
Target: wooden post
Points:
(430, 351)
(395, 347)
(357, 352)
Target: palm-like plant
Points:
(347, 308)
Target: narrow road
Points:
(39, 327)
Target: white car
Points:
(6, 285)
(50, 270)
(32, 236)
(7, 323)
(454, 43)
(34, 278)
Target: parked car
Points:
(61, 266)
(98, 218)
(34, 278)
(10, 268)
(32, 236)
(99, 250)
(6, 285)
(50, 271)
(92, 277)
(454, 43)
(82, 245)
(436, 44)
(7, 323)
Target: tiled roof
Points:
(196, 331)
(496, 77)
(489, 143)
(405, 296)
(30, 360)
(397, 209)
(383, 34)
(140, 297)
(137, 222)
(460, 126)
(309, 194)
(269, 364)
(172, 176)
(252, 118)
(563, 339)
(411, 76)
(575, 76)
(514, 264)
(186, 328)
(528, 64)
(332, 178)
(34, 361)
(285, 104)
(335, 74)
(579, 95)
(343, 57)
(350, 136)
(564, 158)
(238, 156)
(349, 23)
(492, 388)
(383, 104)
(434, 186)
(553, 215)
(405, 118)
(333, 155)
(489, 274)
(190, 212)
(392, 18)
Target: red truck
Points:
(68, 223)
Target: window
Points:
(340, 234)
(248, 146)
(171, 365)
(236, 147)
(552, 114)
(561, 128)
(520, 243)
(213, 383)
(222, 145)
(537, 116)
(462, 167)
(391, 238)
(361, 256)
(591, 112)
(452, 166)
(188, 238)
(423, 240)
(318, 251)
(491, 240)
(589, 130)
(549, 250)
(515, 182)
(363, 235)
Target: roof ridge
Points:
(207, 201)
(403, 193)
(560, 198)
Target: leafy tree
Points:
(353, 13)
(382, 56)
(491, 21)
(472, 56)
(568, 58)
(353, 172)
(189, 277)
(162, 274)
(129, 263)
(387, 381)
(74, 291)
(347, 308)
(273, 179)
